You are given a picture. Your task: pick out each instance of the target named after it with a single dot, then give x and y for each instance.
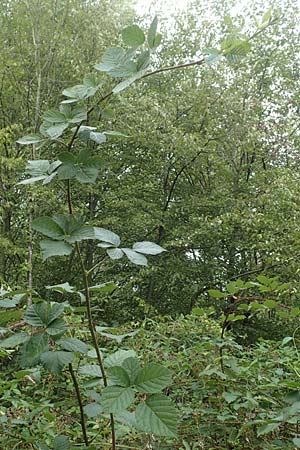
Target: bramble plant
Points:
(124, 390)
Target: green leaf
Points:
(54, 116)
(117, 337)
(132, 367)
(32, 349)
(83, 167)
(151, 37)
(48, 227)
(73, 345)
(133, 36)
(93, 410)
(148, 248)
(212, 55)
(56, 328)
(230, 397)
(114, 133)
(116, 398)
(55, 131)
(128, 82)
(104, 287)
(153, 378)
(158, 416)
(64, 227)
(30, 139)
(62, 288)
(55, 361)
(117, 63)
(117, 358)
(77, 114)
(135, 258)
(54, 248)
(237, 51)
(115, 253)
(296, 442)
(39, 170)
(107, 236)
(157, 40)
(82, 91)
(118, 375)
(267, 428)
(90, 370)
(99, 138)
(42, 314)
(143, 60)
(216, 294)
(14, 340)
(61, 443)
(37, 314)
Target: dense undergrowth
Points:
(228, 396)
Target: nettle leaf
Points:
(117, 63)
(153, 378)
(30, 139)
(157, 415)
(116, 398)
(54, 248)
(133, 36)
(118, 375)
(55, 361)
(73, 345)
(148, 248)
(61, 443)
(32, 349)
(107, 236)
(14, 340)
(135, 257)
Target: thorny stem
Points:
(79, 400)
(85, 274)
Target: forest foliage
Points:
(149, 226)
